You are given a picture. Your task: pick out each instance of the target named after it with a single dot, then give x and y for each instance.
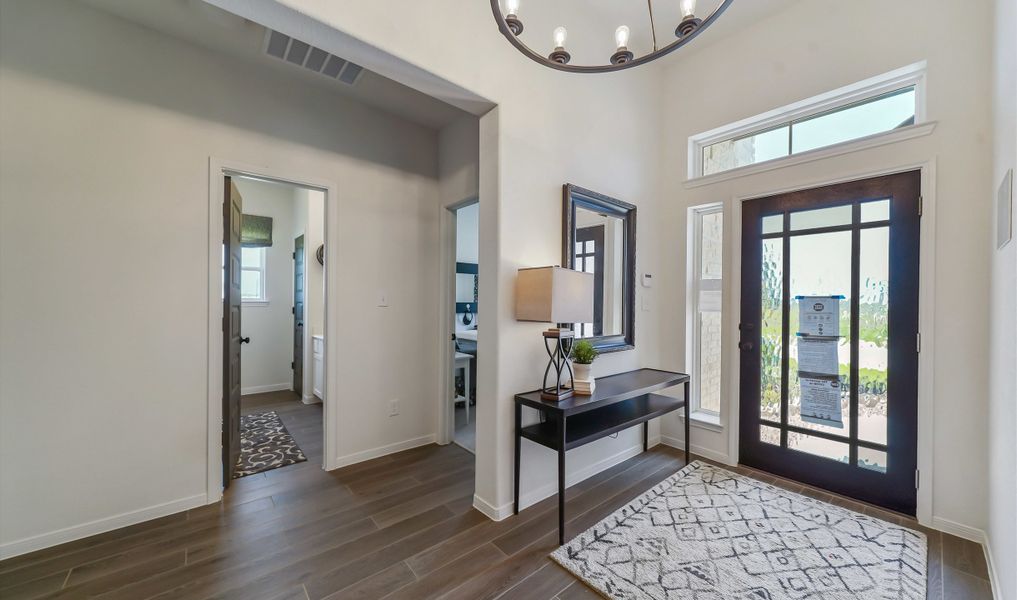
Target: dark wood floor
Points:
(401, 527)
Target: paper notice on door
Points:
(821, 402)
(818, 355)
(819, 315)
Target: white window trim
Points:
(911, 75)
(700, 418)
(262, 299)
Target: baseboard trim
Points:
(495, 513)
(571, 478)
(959, 529)
(698, 450)
(76, 532)
(311, 399)
(261, 389)
(991, 565)
(358, 457)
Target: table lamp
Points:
(559, 296)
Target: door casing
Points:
(219, 168)
(926, 318)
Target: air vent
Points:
(281, 46)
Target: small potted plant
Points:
(583, 354)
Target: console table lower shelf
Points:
(620, 402)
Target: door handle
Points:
(745, 346)
(300, 324)
(245, 340)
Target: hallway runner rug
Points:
(706, 533)
(265, 444)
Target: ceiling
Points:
(591, 26)
(202, 24)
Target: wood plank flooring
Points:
(398, 527)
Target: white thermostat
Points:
(647, 280)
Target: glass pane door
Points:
(829, 305)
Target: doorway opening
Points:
(829, 337)
(464, 311)
(273, 323)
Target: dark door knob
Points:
(745, 346)
(245, 340)
(300, 324)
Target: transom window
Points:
(876, 106)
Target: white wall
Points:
(106, 130)
(467, 241)
(265, 361)
(549, 128)
(1002, 473)
(811, 48)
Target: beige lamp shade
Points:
(554, 295)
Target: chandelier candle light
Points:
(690, 26)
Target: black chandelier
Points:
(690, 26)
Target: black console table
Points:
(619, 402)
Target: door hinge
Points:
(294, 256)
(224, 322)
(918, 478)
(293, 365)
(921, 202)
(293, 309)
(918, 342)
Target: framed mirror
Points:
(599, 237)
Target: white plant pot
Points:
(584, 375)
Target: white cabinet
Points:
(318, 365)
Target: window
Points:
(252, 275)
(706, 262)
(879, 105)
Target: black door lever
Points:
(246, 340)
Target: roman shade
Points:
(256, 232)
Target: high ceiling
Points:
(591, 25)
(202, 24)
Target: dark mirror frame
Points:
(574, 196)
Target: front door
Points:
(233, 210)
(298, 316)
(829, 338)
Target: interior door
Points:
(233, 210)
(835, 408)
(298, 315)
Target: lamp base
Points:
(558, 343)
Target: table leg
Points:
(519, 441)
(688, 425)
(466, 392)
(646, 436)
(561, 480)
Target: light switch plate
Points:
(647, 280)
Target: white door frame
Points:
(218, 168)
(926, 315)
(446, 320)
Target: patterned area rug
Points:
(265, 444)
(706, 533)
